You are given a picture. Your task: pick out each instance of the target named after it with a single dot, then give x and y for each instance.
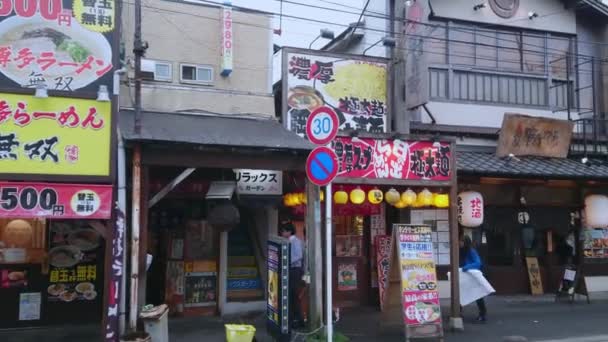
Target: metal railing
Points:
(590, 137)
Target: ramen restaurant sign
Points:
(63, 45)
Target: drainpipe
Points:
(122, 201)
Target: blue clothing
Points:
(297, 252)
(470, 260)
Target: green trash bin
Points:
(239, 333)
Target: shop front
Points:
(534, 212)
(56, 198)
(383, 180)
(210, 201)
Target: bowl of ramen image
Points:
(64, 256)
(71, 46)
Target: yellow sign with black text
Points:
(54, 136)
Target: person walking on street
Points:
(288, 231)
(470, 260)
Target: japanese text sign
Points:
(113, 297)
(277, 308)
(226, 40)
(393, 159)
(54, 200)
(64, 45)
(383, 253)
(523, 135)
(354, 88)
(56, 136)
(419, 293)
(259, 182)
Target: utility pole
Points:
(315, 256)
(139, 49)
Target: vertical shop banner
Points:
(355, 88)
(277, 309)
(55, 200)
(377, 228)
(419, 294)
(393, 159)
(383, 250)
(64, 45)
(116, 274)
(54, 136)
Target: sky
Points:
(300, 33)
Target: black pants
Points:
(295, 283)
(481, 306)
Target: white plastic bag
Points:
(473, 285)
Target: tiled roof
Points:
(483, 163)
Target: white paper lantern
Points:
(596, 211)
(470, 209)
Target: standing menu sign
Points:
(412, 282)
(277, 308)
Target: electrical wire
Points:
(518, 61)
(399, 34)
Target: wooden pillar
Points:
(456, 322)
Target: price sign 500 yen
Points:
(26, 200)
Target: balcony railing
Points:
(590, 137)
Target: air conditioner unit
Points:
(148, 68)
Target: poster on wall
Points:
(277, 308)
(347, 276)
(393, 159)
(55, 200)
(75, 261)
(54, 136)
(63, 45)
(29, 306)
(595, 243)
(355, 88)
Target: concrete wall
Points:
(182, 32)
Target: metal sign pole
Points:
(328, 262)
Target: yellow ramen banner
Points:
(54, 136)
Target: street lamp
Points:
(324, 33)
(386, 41)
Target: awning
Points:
(488, 164)
(212, 130)
(597, 5)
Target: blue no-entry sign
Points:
(322, 166)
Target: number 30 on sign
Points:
(322, 126)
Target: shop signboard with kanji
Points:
(55, 200)
(54, 136)
(412, 287)
(277, 308)
(393, 159)
(354, 87)
(63, 45)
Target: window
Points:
(156, 70)
(509, 66)
(196, 74)
(163, 72)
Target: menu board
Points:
(419, 294)
(277, 308)
(596, 243)
(75, 278)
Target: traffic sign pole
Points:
(328, 262)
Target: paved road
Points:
(510, 319)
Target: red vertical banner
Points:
(383, 249)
